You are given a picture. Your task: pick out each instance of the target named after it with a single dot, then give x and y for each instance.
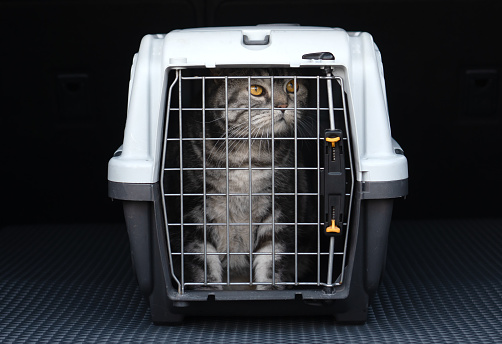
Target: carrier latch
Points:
(332, 140)
(334, 182)
(333, 228)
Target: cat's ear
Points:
(217, 72)
(230, 72)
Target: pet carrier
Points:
(258, 172)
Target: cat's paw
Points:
(207, 287)
(270, 287)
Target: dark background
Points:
(64, 68)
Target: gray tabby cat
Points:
(237, 238)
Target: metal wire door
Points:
(325, 109)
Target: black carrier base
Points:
(349, 304)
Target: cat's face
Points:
(252, 100)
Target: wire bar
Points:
(250, 176)
(272, 120)
(255, 253)
(253, 109)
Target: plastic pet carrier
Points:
(258, 172)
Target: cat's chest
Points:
(239, 181)
(236, 206)
(238, 200)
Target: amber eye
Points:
(290, 86)
(256, 90)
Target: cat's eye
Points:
(256, 90)
(290, 86)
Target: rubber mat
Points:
(74, 284)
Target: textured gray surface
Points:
(74, 284)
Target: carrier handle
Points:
(263, 41)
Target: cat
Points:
(267, 273)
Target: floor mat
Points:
(74, 284)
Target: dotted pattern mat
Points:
(74, 284)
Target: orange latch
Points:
(333, 228)
(332, 140)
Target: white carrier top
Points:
(356, 59)
(262, 45)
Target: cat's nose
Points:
(282, 106)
